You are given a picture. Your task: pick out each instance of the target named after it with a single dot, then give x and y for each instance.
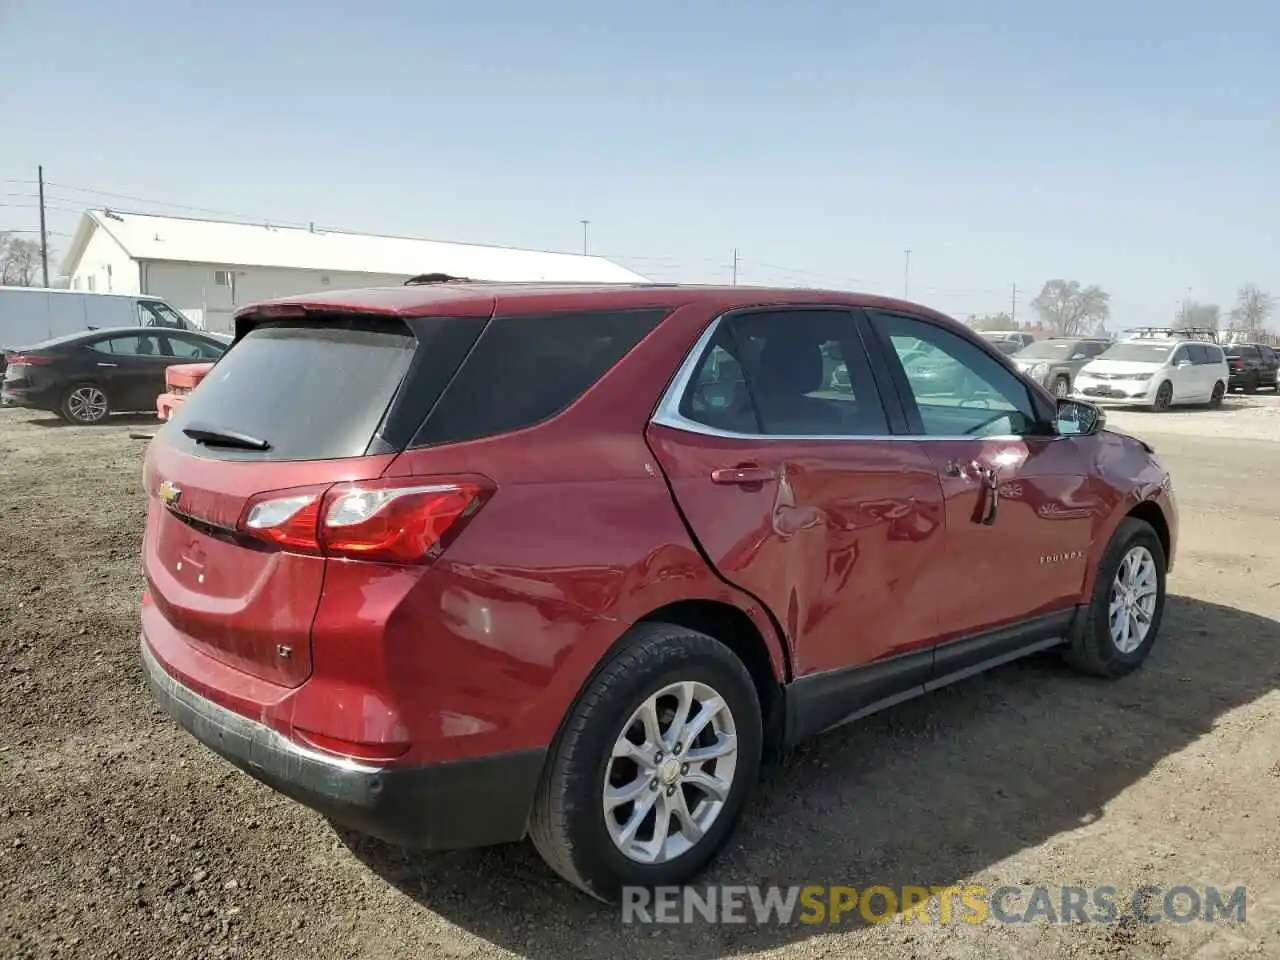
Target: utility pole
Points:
(906, 276)
(735, 267)
(584, 235)
(1013, 307)
(44, 234)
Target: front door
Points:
(1018, 498)
(777, 446)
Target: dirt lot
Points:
(119, 836)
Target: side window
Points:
(958, 388)
(1095, 348)
(1181, 354)
(188, 349)
(1268, 354)
(1215, 355)
(1197, 353)
(129, 345)
(156, 315)
(801, 373)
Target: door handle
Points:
(992, 480)
(108, 364)
(743, 473)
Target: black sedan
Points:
(85, 376)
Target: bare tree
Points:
(1067, 310)
(992, 321)
(1253, 309)
(19, 261)
(1192, 314)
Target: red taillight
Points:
(1235, 362)
(29, 360)
(393, 521)
(287, 519)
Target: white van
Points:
(1156, 372)
(30, 315)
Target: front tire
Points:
(85, 404)
(1127, 604)
(667, 734)
(1164, 397)
(1251, 385)
(1062, 387)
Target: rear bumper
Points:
(31, 399)
(465, 803)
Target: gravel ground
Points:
(119, 836)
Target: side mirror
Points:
(1183, 363)
(1078, 418)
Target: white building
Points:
(207, 268)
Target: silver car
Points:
(1056, 361)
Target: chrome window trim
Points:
(668, 413)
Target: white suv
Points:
(1155, 372)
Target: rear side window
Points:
(312, 391)
(524, 370)
(1198, 353)
(1215, 355)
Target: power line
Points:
(161, 203)
(650, 263)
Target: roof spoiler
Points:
(424, 278)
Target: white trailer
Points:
(30, 315)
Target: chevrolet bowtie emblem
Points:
(169, 492)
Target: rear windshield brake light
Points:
(397, 521)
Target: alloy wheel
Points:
(670, 772)
(1133, 599)
(87, 404)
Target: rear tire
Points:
(1251, 385)
(85, 404)
(1219, 391)
(606, 743)
(1127, 605)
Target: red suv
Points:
(459, 564)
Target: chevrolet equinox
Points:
(464, 563)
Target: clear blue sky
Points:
(1133, 145)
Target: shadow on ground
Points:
(928, 793)
(114, 420)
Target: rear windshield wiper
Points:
(220, 437)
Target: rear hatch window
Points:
(311, 390)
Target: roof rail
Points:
(1168, 333)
